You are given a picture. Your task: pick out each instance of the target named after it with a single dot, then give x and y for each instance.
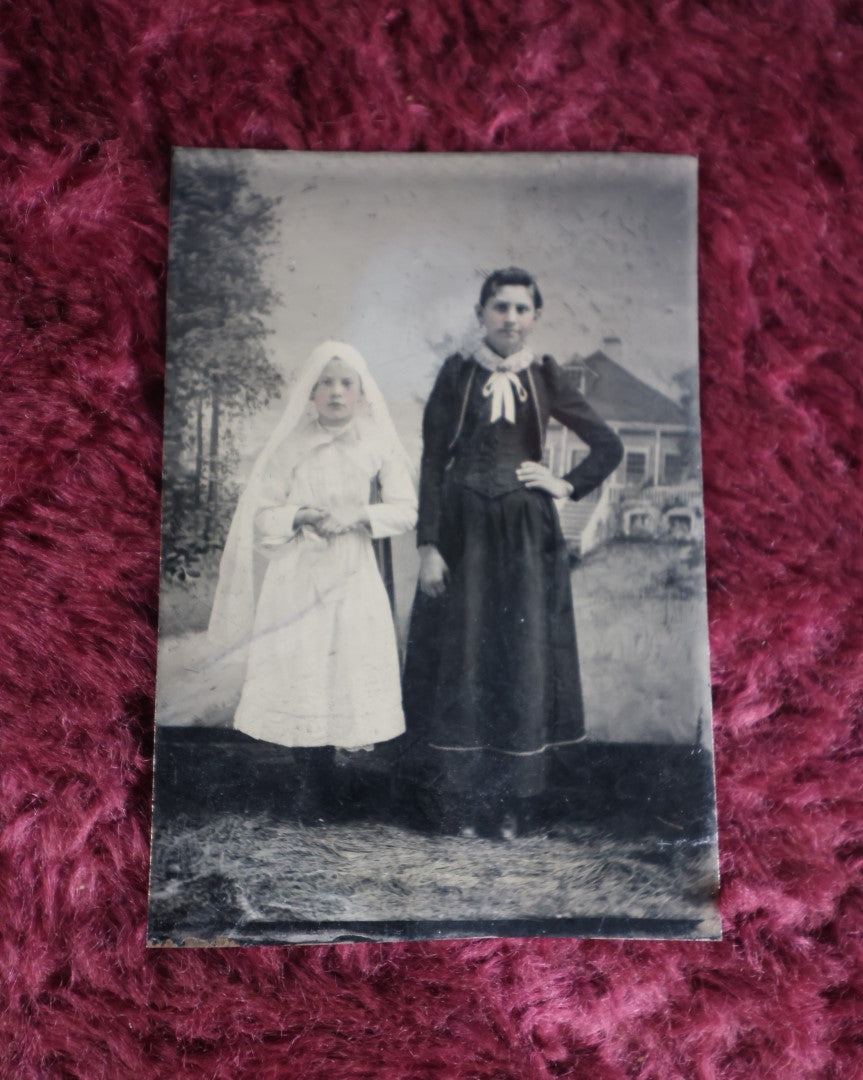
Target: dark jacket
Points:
(552, 392)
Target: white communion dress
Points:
(322, 657)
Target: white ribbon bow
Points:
(499, 386)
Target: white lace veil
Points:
(233, 614)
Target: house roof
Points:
(618, 395)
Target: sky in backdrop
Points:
(389, 252)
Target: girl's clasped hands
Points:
(330, 523)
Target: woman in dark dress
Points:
(491, 683)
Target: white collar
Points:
(320, 434)
(492, 361)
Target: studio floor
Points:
(236, 862)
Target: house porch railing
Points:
(659, 495)
(602, 525)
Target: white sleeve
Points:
(278, 524)
(397, 511)
(274, 516)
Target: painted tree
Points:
(218, 368)
(686, 382)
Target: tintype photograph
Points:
(433, 654)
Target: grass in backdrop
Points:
(640, 613)
(640, 618)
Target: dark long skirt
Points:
(491, 673)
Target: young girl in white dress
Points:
(322, 663)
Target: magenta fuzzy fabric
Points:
(94, 93)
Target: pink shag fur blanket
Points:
(94, 93)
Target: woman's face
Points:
(507, 318)
(337, 393)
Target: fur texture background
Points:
(94, 92)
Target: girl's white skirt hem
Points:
(330, 731)
(323, 664)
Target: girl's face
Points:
(337, 393)
(507, 318)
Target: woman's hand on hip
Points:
(433, 571)
(538, 478)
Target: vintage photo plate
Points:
(433, 655)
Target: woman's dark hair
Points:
(512, 275)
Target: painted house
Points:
(655, 492)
